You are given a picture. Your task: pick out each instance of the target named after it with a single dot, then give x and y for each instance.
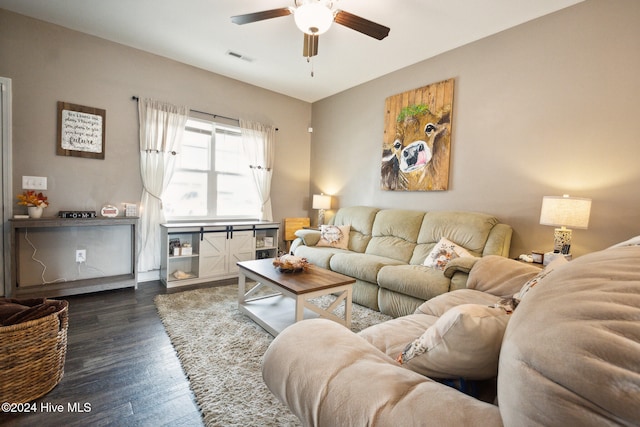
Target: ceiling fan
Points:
(314, 17)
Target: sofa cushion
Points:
(468, 229)
(366, 294)
(500, 276)
(329, 376)
(499, 241)
(417, 281)
(360, 219)
(443, 252)
(572, 346)
(319, 256)
(463, 343)
(394, 234)
(391, 337)
(395, 304)
(360, 266)
(440, 304)
(334, 236)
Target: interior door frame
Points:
(6, 186)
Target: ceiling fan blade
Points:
(362, 25)
(310, 47)
(259, 16)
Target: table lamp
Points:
(321, 202)
(563, 212)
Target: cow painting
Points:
(417, 144)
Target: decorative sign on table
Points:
(80, 131)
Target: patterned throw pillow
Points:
(334, 236)
(443, 252)
(557, 262)
(463, 343)
(634, 241)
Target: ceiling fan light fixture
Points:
(313, 18)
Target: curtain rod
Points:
(135, 98)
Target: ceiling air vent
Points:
(239, 56)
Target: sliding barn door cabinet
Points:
(202, 252)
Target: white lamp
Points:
(321, 202)
(313, 16)
(564, 212)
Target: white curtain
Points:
(258, 142)
(161, 129)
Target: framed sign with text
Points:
(80, 131)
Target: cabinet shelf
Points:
(183, 256)
(216, 246)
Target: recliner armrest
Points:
(327, 375)
(462, 264)
(308, 237)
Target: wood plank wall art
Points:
(81, 131)
(417, 139)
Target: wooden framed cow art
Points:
(417, 139)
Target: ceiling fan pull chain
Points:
(313, 49)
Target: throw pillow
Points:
(500, 276)
(553, 265)
(463, 343)
(634, 241)
(443, 252)
(334, 236)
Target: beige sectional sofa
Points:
(386, 248)
(567, 355)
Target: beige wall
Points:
(48, 63)
(547, 108)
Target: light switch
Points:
(34, 182)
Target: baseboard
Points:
(148, 276)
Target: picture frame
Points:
(417, 139)
(538, 257)
(81, 131)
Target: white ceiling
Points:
(200, 33)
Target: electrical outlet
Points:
(81, 255)
(34, 182)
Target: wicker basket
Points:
(32, 356)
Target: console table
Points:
(55, 226)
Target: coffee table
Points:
(288, 299)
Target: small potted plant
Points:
(35, 202)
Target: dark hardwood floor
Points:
(120, 370)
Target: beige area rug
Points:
(221, 352)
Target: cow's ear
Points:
(446, 117)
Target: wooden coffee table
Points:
(290, 293)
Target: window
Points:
(212, 179)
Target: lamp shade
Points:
(320, 201)
(565, 211)
(313, 17)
